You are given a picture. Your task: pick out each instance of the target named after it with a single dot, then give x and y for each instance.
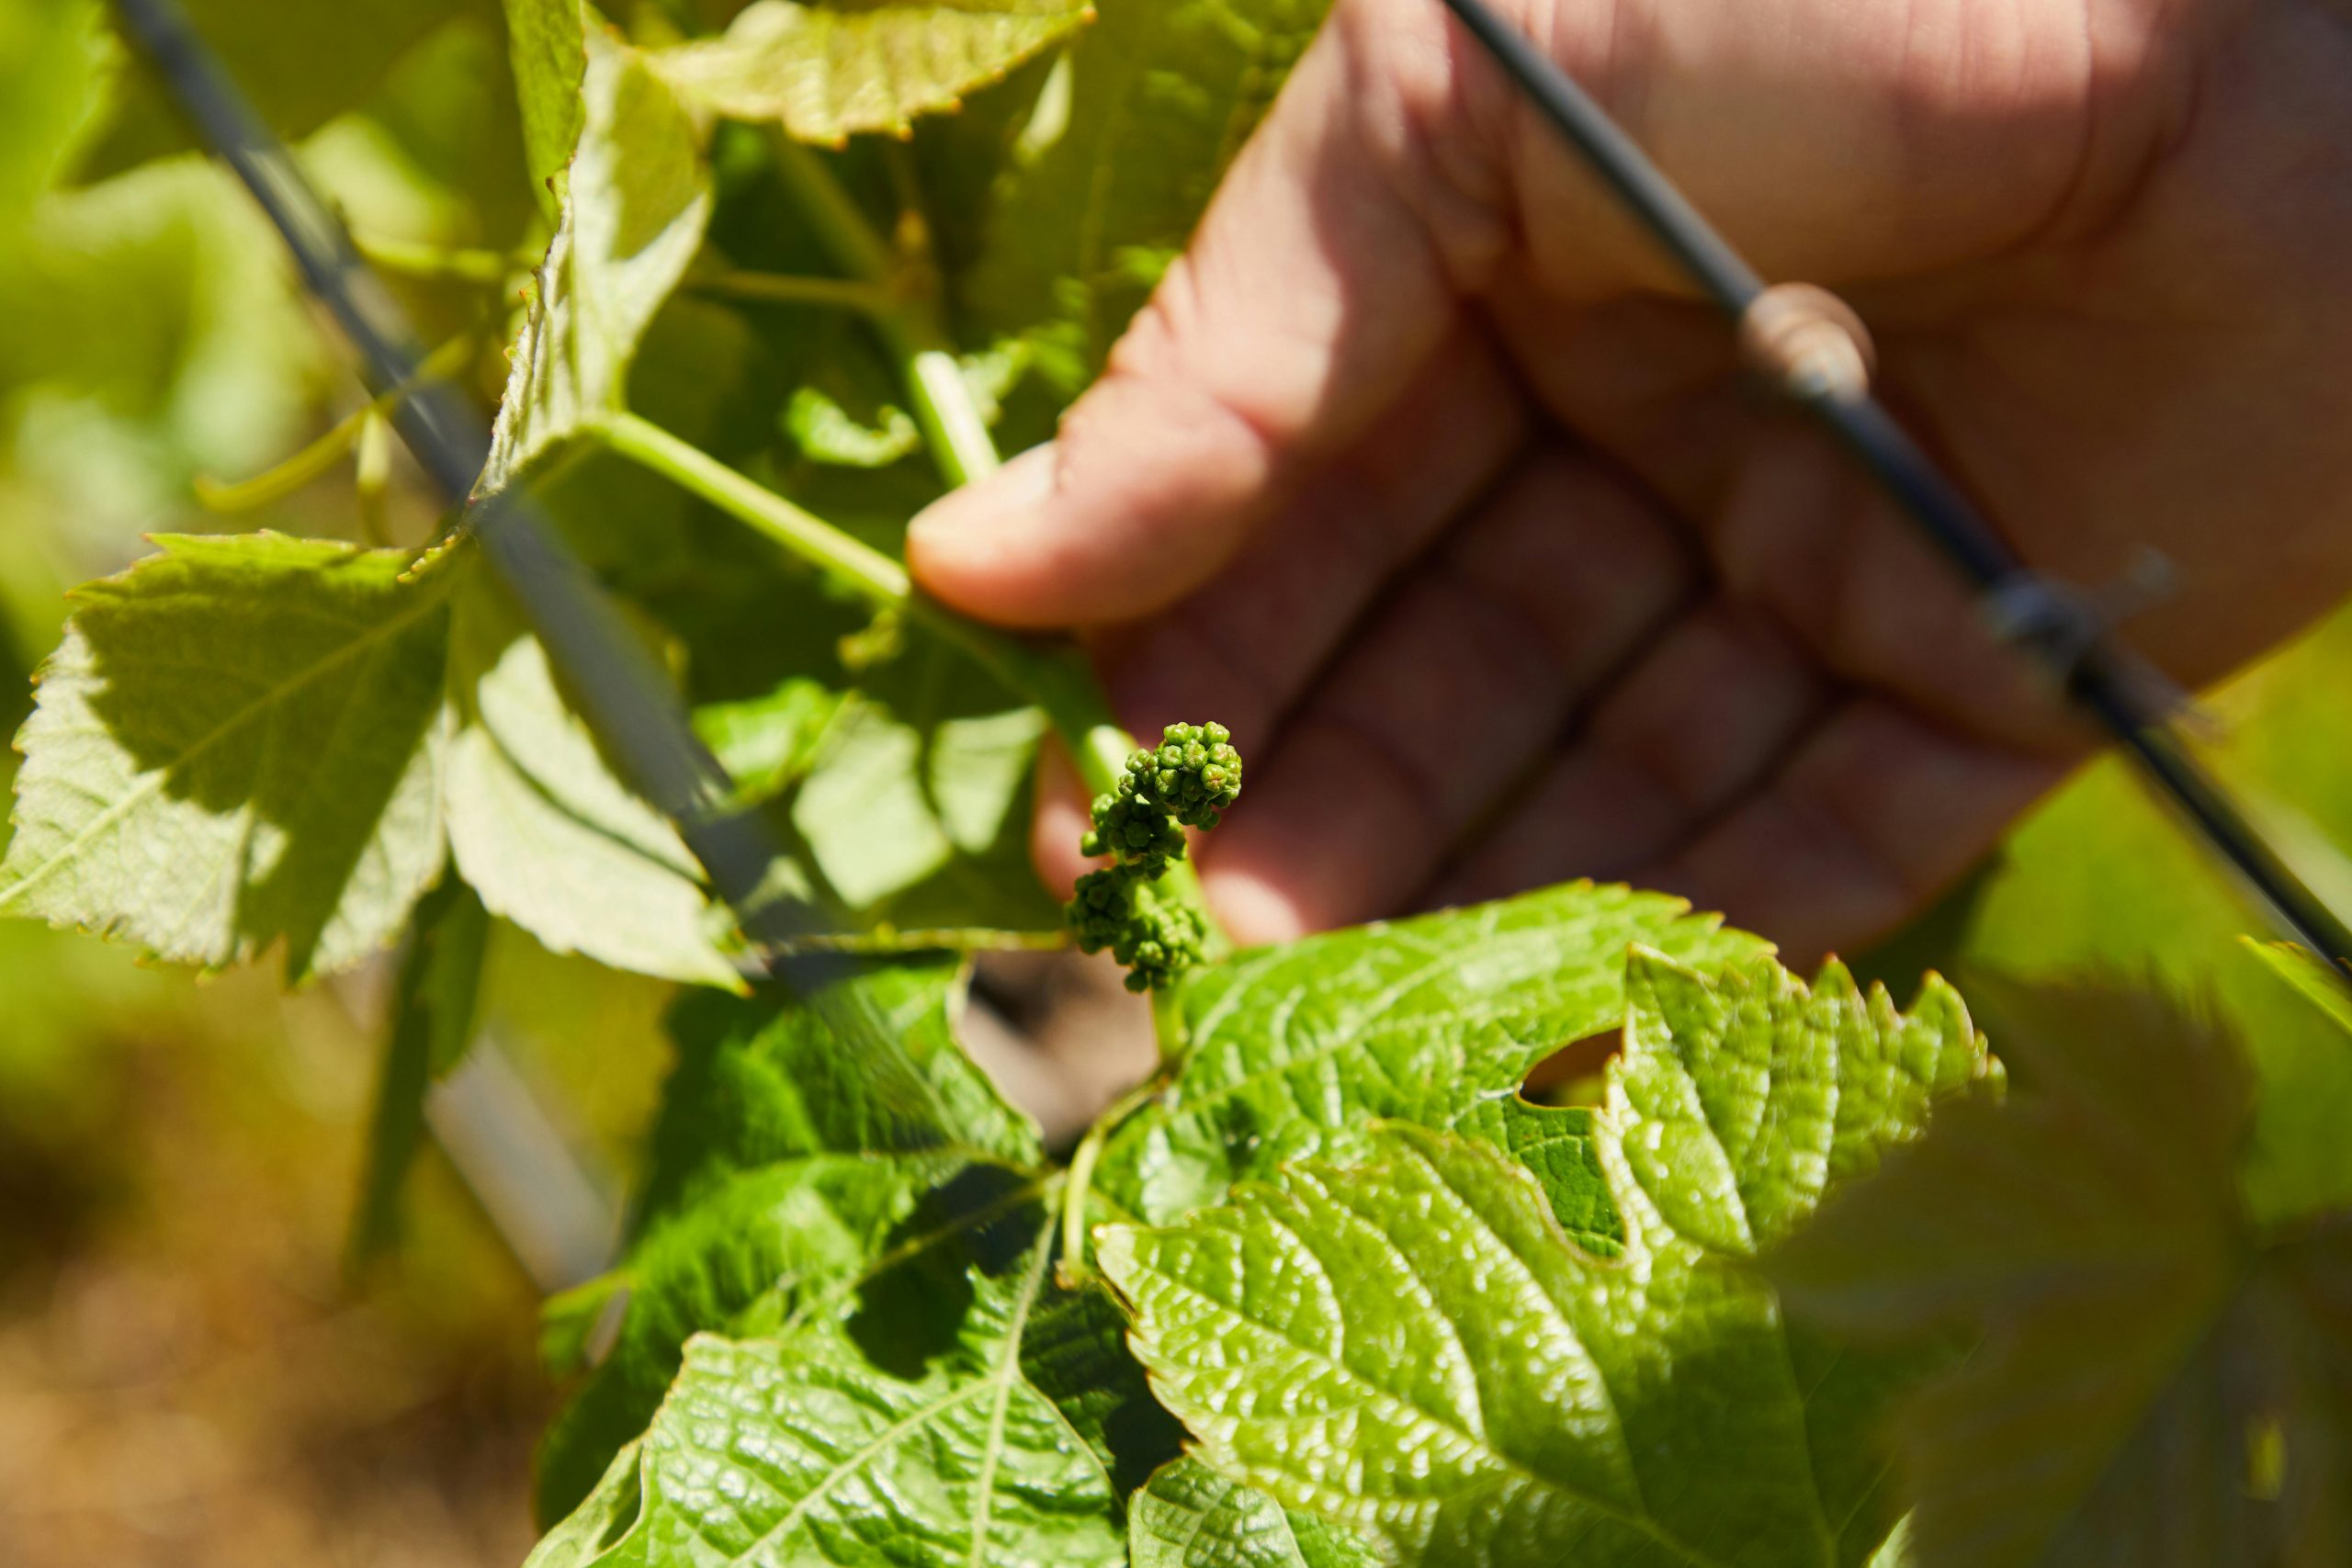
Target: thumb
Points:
(1312, 294)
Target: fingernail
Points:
(977, 512)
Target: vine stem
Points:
(779, 288)
(1079, 1186)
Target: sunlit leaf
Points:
(919, 1442)
(1189, 1517)
(1292, 1052)
(545, 833)
(550, 55)
(827, 73)
(783, 1164)
(239, 743)
(634, 212)
(1411, 1347)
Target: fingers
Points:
(1705, 718)
(1242, 651)
(1313, 296)
(1442, 701)
(1875, 817)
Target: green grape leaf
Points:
(550, 50)
(302, 65)
(804, 1447)
(1189, 1517)
(762, 1079)
(431, 1024)
(1556, 1143)
(1409, 1346)
(784, 1166)
(2157, 1382)
(1293, 1052)
(761, 1242)
(239, 742)
(1162, 94)
(545, 833)
(634, 209)
(826, 73)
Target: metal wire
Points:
(2043, 618)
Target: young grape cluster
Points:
(1188, 780)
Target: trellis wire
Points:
(2042, 618)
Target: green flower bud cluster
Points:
(1155, 938)
(1188, 780)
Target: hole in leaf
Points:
(1574, 1075)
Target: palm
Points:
(1525, 584)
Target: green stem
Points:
(856, 248)
(852, 562)
(1080, 1185)
(778, 288)
(1168, 1022)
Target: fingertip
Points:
(984, 549)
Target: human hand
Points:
(1422, 473)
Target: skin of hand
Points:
(1423, 473)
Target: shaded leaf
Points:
(916, 811)
(1409, 1346)
(634, 212)
(431, 1024)
(1557, 1145)
(762, 1240)
(788, 1167)
(239, 742)
(2139, 1338)
(800, 1449)
(827, 73)
(1189, 1517)
(545, 832)
(1292, 1052)
(762, 1079)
